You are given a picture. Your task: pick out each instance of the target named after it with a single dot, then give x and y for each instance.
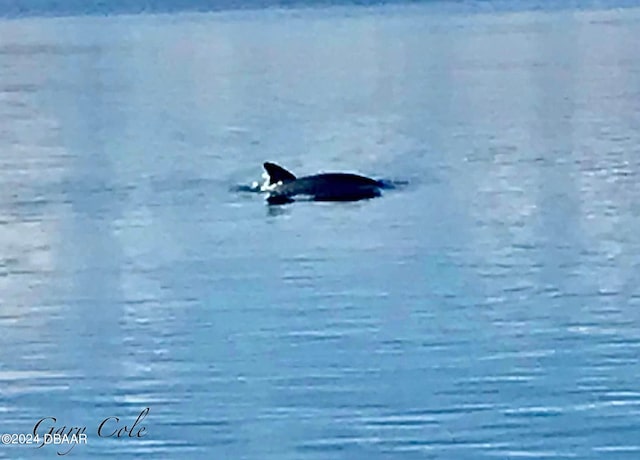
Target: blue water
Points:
(56, 8)
(490, 308)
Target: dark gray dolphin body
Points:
(284, 186)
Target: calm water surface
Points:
(491, 308)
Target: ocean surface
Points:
(488, 309)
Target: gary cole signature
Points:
(48, 429)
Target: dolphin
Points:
(283, 186)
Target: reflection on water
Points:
(488, 308)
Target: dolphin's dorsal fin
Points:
(278, 173)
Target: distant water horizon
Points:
(36, 8)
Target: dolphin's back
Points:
(327, 187)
